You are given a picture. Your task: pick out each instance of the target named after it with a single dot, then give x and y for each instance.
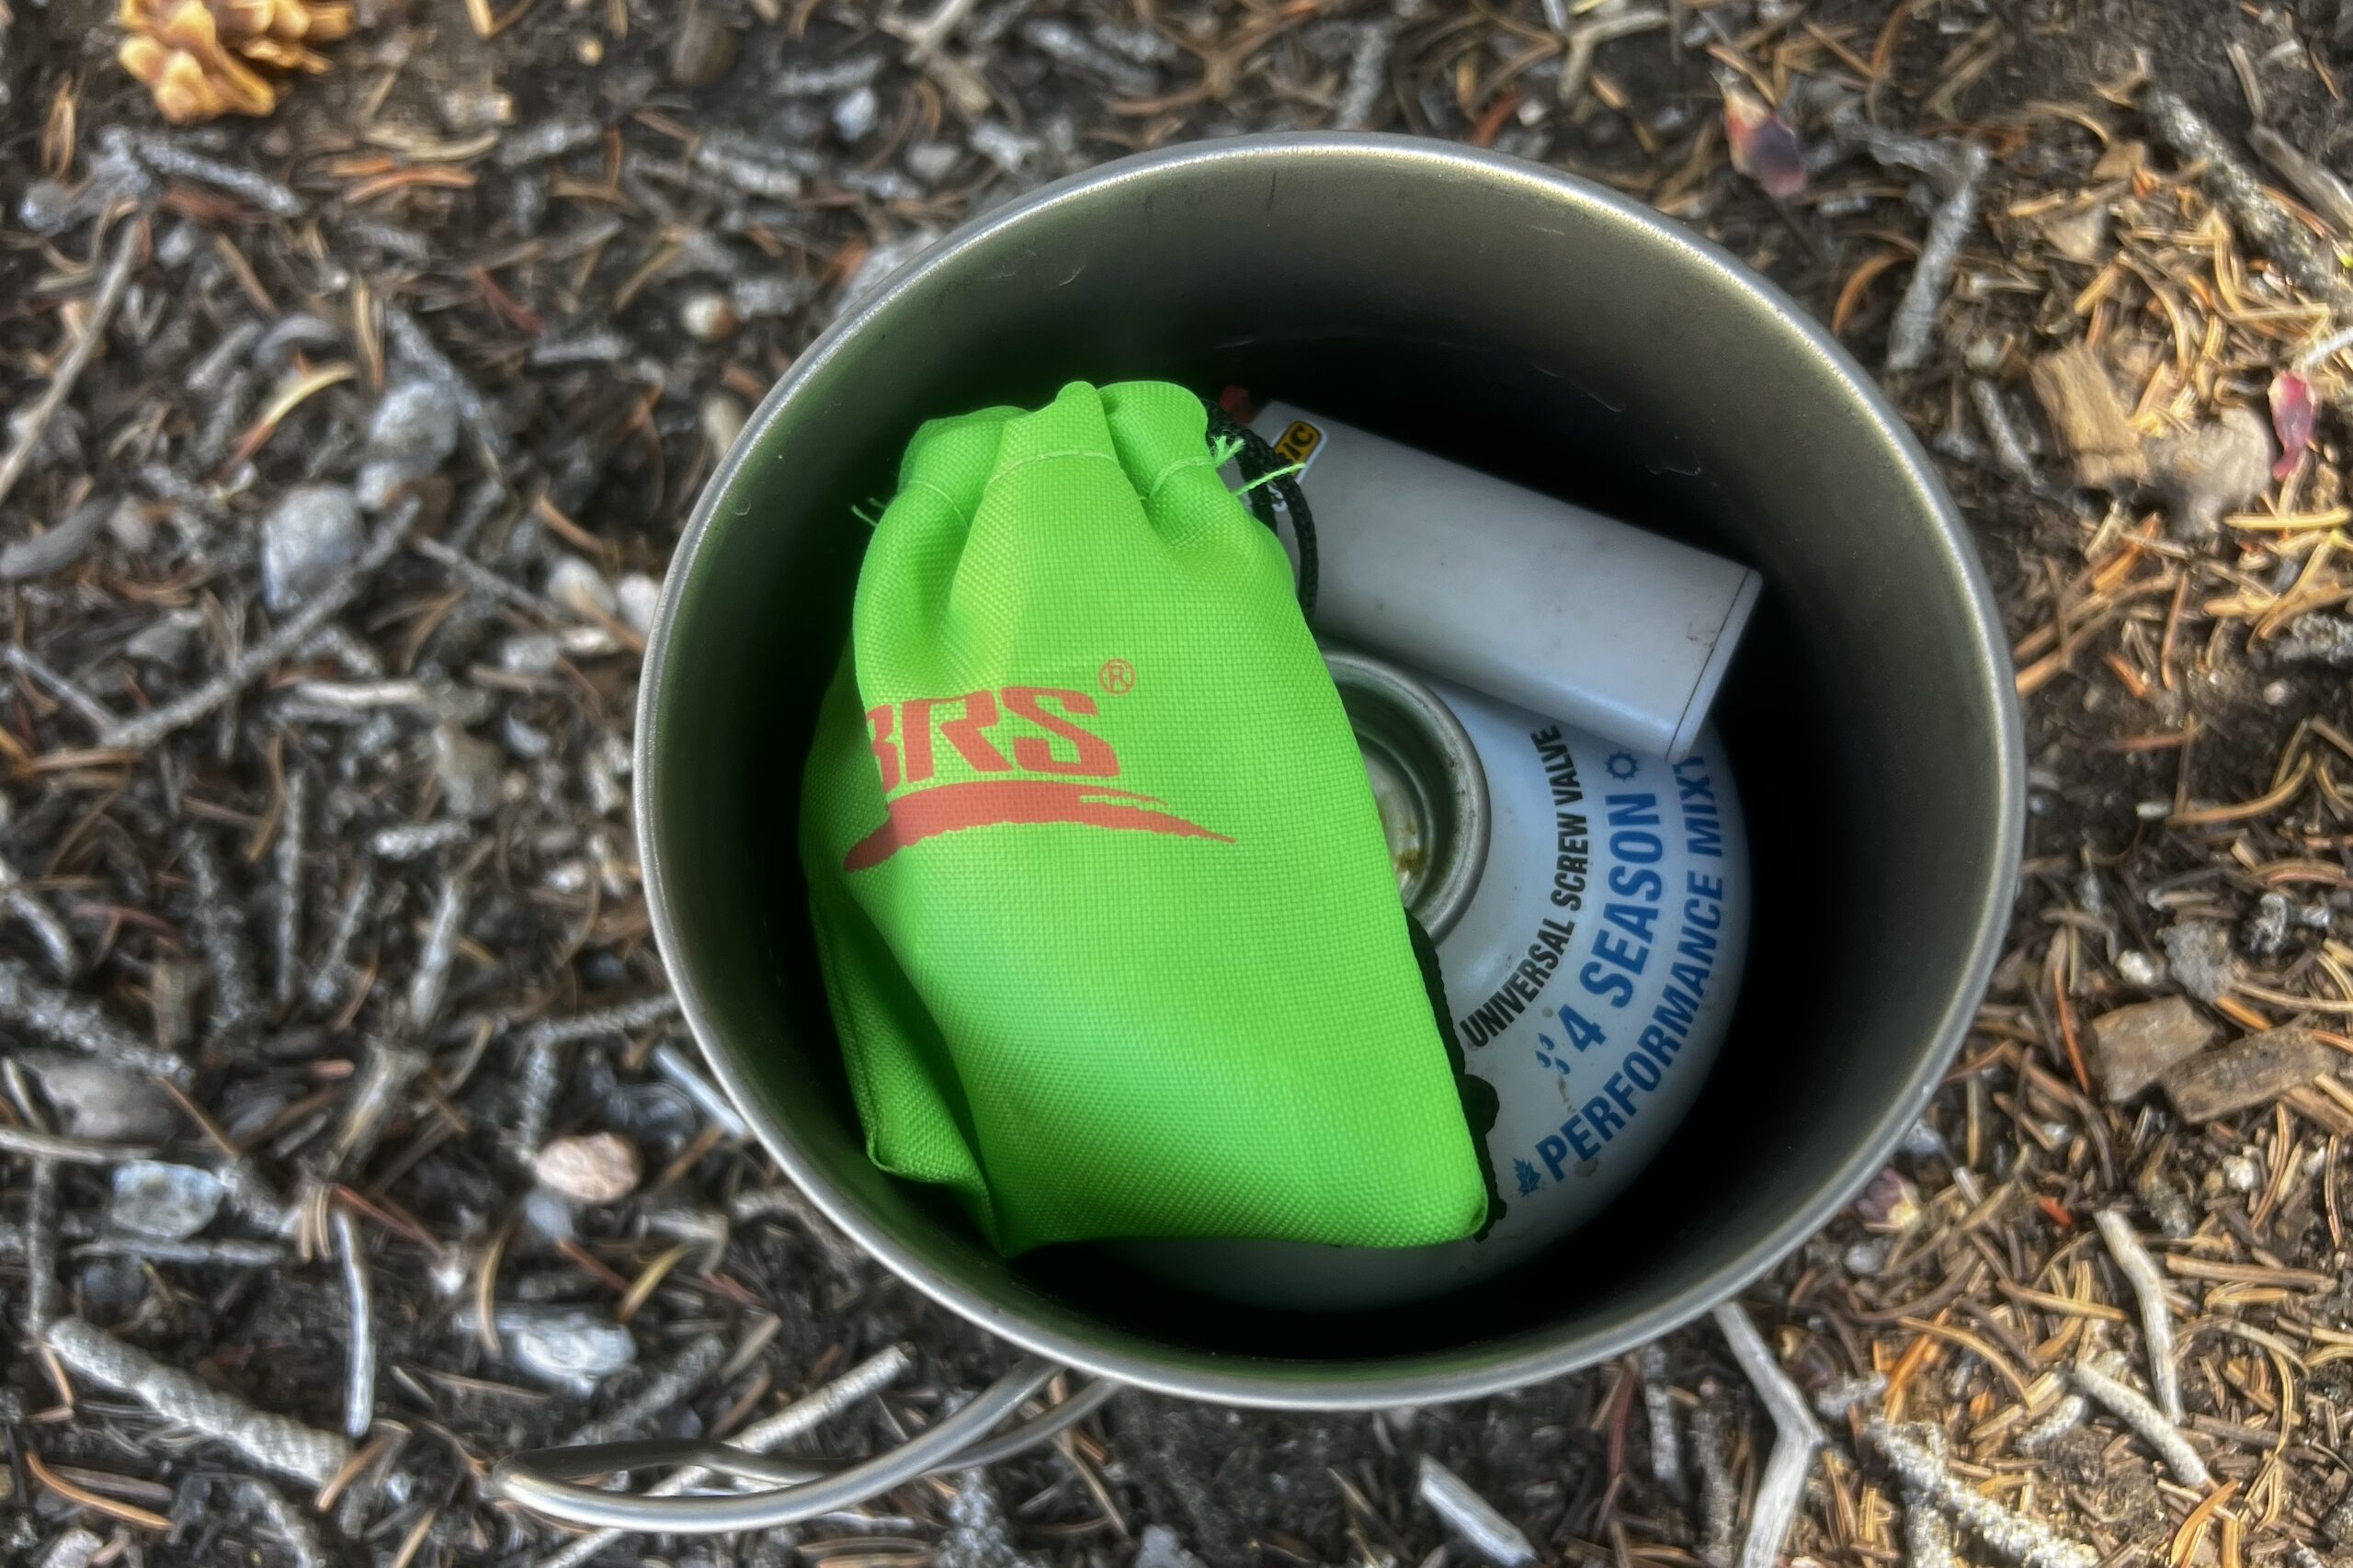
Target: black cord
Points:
(1257, 460)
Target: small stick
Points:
(2062, 1418)
(2314, 180)
(92, 711)
(31, 1002)
(538, 1085)
(143, 731)
(409, 840)
(926, 37)
(1367, 75)
(360, 1385)
(40, 1249)
(1922, 154)
(2228, 179)
(2156, 1318)
(286, 916)
(292, 1525)
(168, 157)
(221, 933)
(56, 941)
(1658, 1412)
(1917, 1454)
(271, 1441)
(620, 1019)
(1927, 1537)
(2009, 447)
(1718, 1494)
(678, 1379)
(387, 1071)
(760, 1202)
(672, 1063)
(2125, 1403)
(1912, 328)
(1472, 1518)
(227, 1252)
(333, 973)
(858, 1384)
(1798, 1437)
(34, 424)
(483, 579)
(48, 1146)
(431, 982)
(351, 656)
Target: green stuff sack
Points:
(1111, 934)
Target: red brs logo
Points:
(908, 740)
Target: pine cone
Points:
(194, 55)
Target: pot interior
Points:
(1539, 329)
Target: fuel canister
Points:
(1463, 576)
(1590, 906)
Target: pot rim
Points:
(1429, 1377)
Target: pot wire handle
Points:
(544, 1480)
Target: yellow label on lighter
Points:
(1299, 443)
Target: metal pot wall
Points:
(1507, 316)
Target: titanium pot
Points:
(1504, 316)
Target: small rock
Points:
(581, 588)
(2200, 954)
(530, 652)
(2213, 470)
(1866, 1259)
(708, 317)
(703, 50)
(638, 595)
(165, 1202)
(550, 1215)
(59, 547)
(932, 162)
(2165, 1200)
(856, 114)
(310, 536)
(774, 294)
(589, 1167)
(2317, 639)
(93, 1100)
(168, 639)
(1003, 147)
(1160, 1549)
(2265, 935)
(2337, 1523)
(131, 525)
(2250, 1072)
(1923, 1142)
(467, 770)
(412, 433)
(573, 1347)
(2132, 1045)
(2137, 968)
(2241, 1174)
(722, 419)
(2080, 235)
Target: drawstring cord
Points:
(1267, 481)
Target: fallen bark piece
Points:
(2088, 417)
(2132, 1046)
(2250, 1072)
(2213, 470)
